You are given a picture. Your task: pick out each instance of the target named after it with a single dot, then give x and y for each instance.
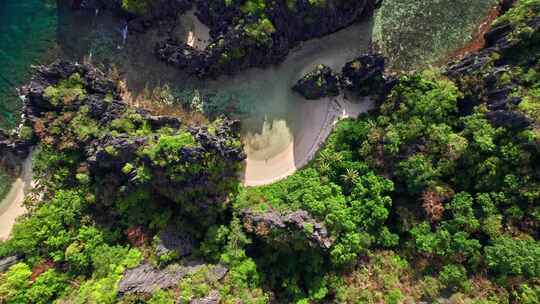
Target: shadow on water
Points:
(272, 115)
(103, 39)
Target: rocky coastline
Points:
(75, 107)
(232, 47)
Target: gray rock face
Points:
(321, 82)
(291, 27)
(7, 262)
(498, 40)
(146, 278)
(265, 224)
(172, 240)
(486, 67)
(212, 298)
(108, 153)
(300, 220)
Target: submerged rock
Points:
(321, 82)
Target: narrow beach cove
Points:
(281, 131)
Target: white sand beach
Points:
(12, 206)
(317, 121)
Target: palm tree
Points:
(351, 176)
(327, 158)
(324, 167)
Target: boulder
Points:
(364, 76)
(272, 226)
(7, 262)
(319, 83)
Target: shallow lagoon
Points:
(271, 114)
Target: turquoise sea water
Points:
(27, 34)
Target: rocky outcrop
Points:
(172, 241)
(499, 45)
(480, 75)
(213, 297)
(232, 47)
(96, 122)
(364, 75)
(13, 151)
(146, 278)
(321, 82)
(272, 226)
(158, 13)
(7, 262)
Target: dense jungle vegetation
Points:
(424, 199)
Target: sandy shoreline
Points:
(12, 204)
(319, 118)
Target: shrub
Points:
(453, 276)
(66, 91)
(509, 256)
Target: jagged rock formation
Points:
(364, 75)
(241, 40)
(321, 82)
(272, 226)
(76, 107)
(146, 278)
(512, 120)
(479, 76)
